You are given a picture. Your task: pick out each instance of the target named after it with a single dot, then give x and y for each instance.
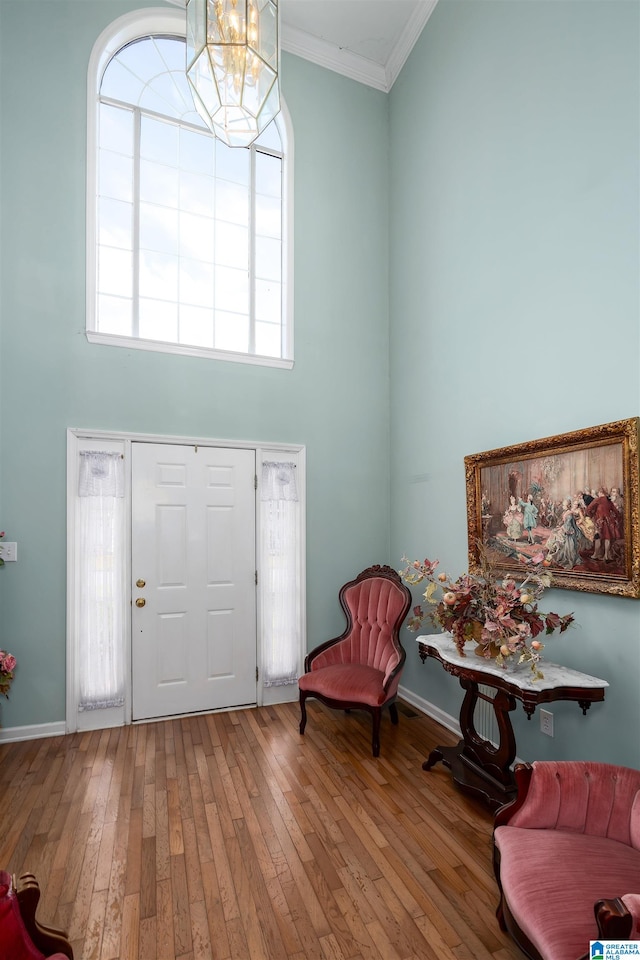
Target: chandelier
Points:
(232, 66)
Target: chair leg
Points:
(500, 914)
(375, 743)
(393, 713)
(303, 712)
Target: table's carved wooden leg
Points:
(477, 765)
(494, 760)
(434, 757)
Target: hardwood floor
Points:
(229, 836)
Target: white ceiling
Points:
(367, 40)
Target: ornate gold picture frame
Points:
(569, 502)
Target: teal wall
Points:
(514, 131)
(335, 400)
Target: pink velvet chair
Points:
(567, 858)
(361, 668)
(22, 937)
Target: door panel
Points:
(193, 546)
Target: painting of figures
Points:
(568, 503)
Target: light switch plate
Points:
(8, 551)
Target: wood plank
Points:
(180, 903)
(130, 941)
(147, 941)
(148, 883)
(164, 921)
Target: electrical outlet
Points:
(546, 722)
(9, 552)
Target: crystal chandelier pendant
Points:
(232, 66)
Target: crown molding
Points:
(352, 65)
(332, 57)
(408, 39)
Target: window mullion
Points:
(137, 124)
(283, 306)
(252, 250)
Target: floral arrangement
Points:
(500, 615)
(7, 660)
(7, 666)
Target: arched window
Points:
(187, 238)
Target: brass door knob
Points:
(140, 602)
(141, 583)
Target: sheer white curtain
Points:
(100, 525)
(280, 573)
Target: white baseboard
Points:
(33, 732)
(58, 728)
(444, 719)
(285, 693)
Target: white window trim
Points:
(78, 439)
(132, 26)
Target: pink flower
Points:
(9, 663)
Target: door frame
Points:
(78, 438)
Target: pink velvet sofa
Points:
(567, 858)
(22, 937)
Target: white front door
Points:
(193, 638)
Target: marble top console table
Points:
(479, 766)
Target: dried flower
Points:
(7, 666)
(501, 616)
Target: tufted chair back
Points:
(375, 607)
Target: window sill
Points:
(182, 349)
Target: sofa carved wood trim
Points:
(21, 934)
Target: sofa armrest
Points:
(47, 939)
(523, 773)
(614, 921)
(632, 903)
